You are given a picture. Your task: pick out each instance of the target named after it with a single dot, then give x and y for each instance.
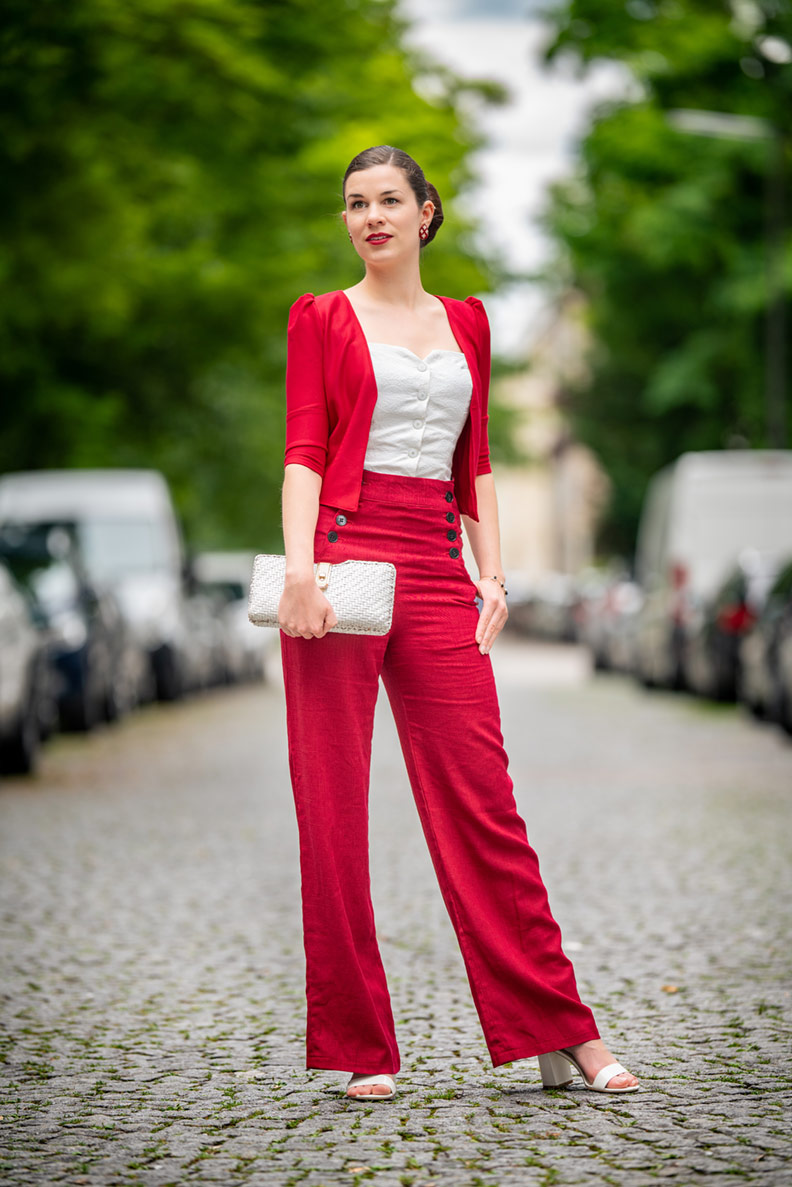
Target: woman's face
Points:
(382, 213)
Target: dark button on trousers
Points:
(442, 693)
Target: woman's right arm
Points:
(303, 609)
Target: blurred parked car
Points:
(543, 606)
(26, 705)
(226, 576)
(83, 629)
(606, 622)
(520, 604)
(130, 542)
(717, 627)
(207, 660)
(761, 683)
(699, 514)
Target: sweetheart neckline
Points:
(437, 350)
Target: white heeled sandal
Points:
(558, 1069)
(362, 1079)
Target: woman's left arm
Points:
(484, 538)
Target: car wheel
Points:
(169, 685)
(19, 749)
(784, 711)
(643, 677)
(79, 714)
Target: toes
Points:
(368, 1090)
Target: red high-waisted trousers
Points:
(442, 693)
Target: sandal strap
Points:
(607, 1073)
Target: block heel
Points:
(556, 1070)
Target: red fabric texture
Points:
(445, 705)
(331, 391)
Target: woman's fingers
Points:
(329, 621)
(307, 621)
(491, 629)
(492, 617)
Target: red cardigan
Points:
(331, 392)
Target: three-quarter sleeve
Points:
(483, 465)
(306, 403)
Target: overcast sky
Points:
(530, 141)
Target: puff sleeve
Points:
(306, 404)
(483, 465)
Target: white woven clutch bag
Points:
(360, 592)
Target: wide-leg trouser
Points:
(442, 693)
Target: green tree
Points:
(171, 180)
(665, 233)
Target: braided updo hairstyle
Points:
(385, 154)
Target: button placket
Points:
(451, 533)
(340, 519)
(418, 422)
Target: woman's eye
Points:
(357, 203)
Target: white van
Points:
(699, 514)
(130, 541)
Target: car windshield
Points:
(118, 547)
(52, 583)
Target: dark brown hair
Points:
(385, 154)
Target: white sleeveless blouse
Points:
(421, 408)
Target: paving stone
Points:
(151, 967)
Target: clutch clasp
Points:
(323, 574)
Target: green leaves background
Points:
(171, 183)
(665, 234)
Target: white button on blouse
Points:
(422, 406)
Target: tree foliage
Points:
(665, 232)
(171, 182)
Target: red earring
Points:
(424, 233)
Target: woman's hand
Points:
(484, 536)
(493, 614)
(304, 611)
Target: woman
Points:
(386, 451)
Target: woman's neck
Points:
(389, 288)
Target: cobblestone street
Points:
(152, 975)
